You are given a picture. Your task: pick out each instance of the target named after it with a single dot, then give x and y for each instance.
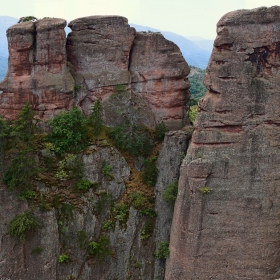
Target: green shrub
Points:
(149, 212)
(163, 250)
(205, 190)
(147, 229)
(134, 139)
(106, 170)
(27, 195)
(160, 131)
(192, 113)
(96, 117)
(150, 171)
(121, 212)
(83, 185)
(28, 18)
(69, 132)
(20, 172)
(64, 258)
(21, 224)
(100, 248)
(170, 194)
(107, 225)
(138, 200)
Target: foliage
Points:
(119, 89)
(160, 131)
(69, 132)
(149, 212)
(138, 200)
(134, 139)
(83, 185)
(21, 224)
(104, 198)
(28, 18)
(76, 90)
(63, 258)
(147, 229)
(205, 190)
(197, 88)
(27, 195)
(170, 194)
(107, 225)
(163, 250)
(192, 113)
(121, 212)
(25, 125)
(96, 117)
(82, 239)
(106, 170)
(20, 172)
(150, 171)
(37, 251)
(100, 248)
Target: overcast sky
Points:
(184, 17)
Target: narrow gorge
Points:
(113, 218)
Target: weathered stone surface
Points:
(233, 231)
(37, 70)
(158, 72)
(98, 50)
(168, 164)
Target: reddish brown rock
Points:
(158, 72)
(233, 232)
(37, 70)
(98, 50)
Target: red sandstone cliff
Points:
(37, 70)
(102, 52)
(232, 232)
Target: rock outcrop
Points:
(37, 71)
(101, 52)
(232, 230)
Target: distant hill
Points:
(196, 52)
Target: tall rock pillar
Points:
(226, 223)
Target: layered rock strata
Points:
(37, 71)
(157, 70)
(226, 220)
(102, 52)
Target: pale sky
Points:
(184, 17)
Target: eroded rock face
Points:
(37, 70)
(232, 232)
(158, 70)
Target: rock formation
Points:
(232, 230)
(102, 52)
(37, 70)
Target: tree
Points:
(69, 132)
(96, 117)
(25, 125)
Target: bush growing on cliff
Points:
(160, 131)
(4, 135)
(20, 172)
(134, 139)
(96, 117)
(69, 132)
(163, 250)
(21, 224)
(170, 194)
(100, 248)
(150, 171)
